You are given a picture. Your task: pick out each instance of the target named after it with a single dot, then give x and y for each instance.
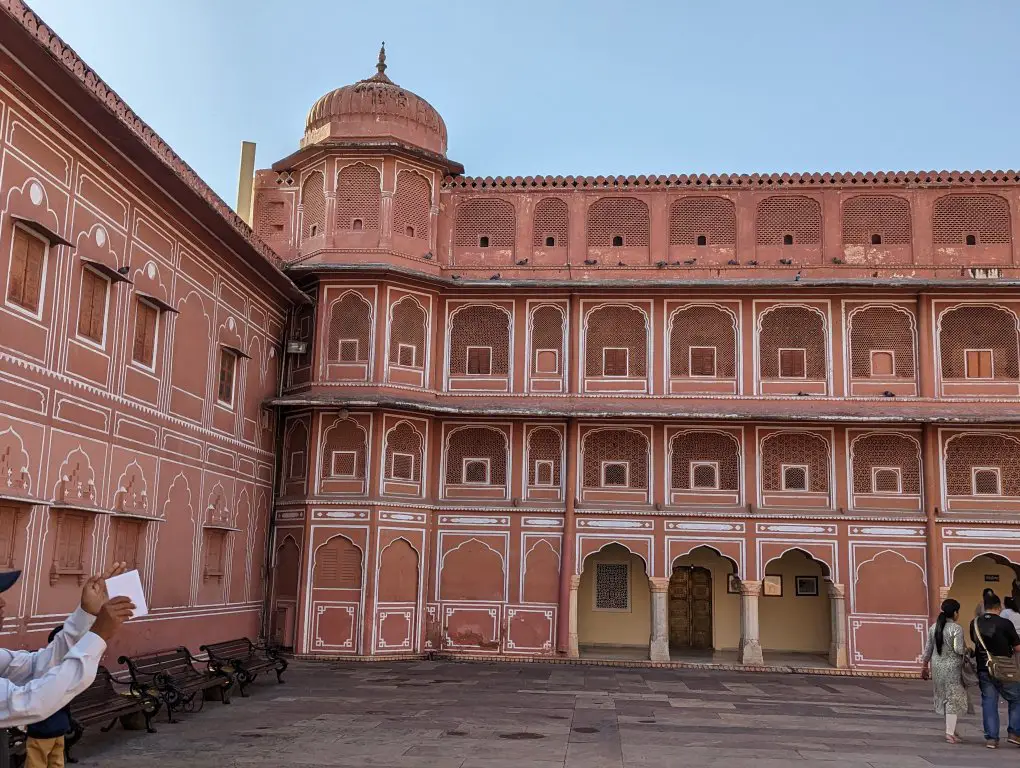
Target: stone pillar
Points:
(750, 644)
(659, 646)
(837, 602)
(573, 651)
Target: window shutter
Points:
(703, 361)
(33, 273)
(985, 364)
(19, 264)
(791, 363)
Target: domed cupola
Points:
(374, 109)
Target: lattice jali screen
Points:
(965, 452)
(480, 325)
(344, 435)
(616, 326)
(800, 217)
(695, 446)
(805, 448)
(408, 322)
(612, 586)
(551, 220)
(313, 205)
(614, 445)
(702, 326)
(884, 215)
(405, 439)
(789, 327)
(986, 217)
(978, 327)
(544, 444)
(883, 329)
(625, 217)
(337, 565)
(412, 205)
(350, 320)
(713, 218)
(886, 450)
(547, 330)
(480, 218)
(271, 219)
(358, 197)
(477, 443)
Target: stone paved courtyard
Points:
(448, 715)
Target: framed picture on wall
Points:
(807, 586)
(732, 584)
(772, 586)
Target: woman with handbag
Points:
(944, 659)
(996, 645)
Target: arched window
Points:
(789, 220)
(881, 343)
(358, 198)
(618, 222)
(547, 340)
(792, 343)
(476, 456)
(550, 229)
(344, 447)
(616, 341)
(545, 450)
(705, 460)
(702, 221)
(703, 342)
(404, 453)
(795, 461)
(886, 462)
(313, 206)
(484, 223)
(480, 341)
(876, 220)
(350, 330)
(408, 323)
(614, 458)
(978, 342)
(412, 205)
(971, 220)
(983, 464)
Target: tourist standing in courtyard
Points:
(946, 653)
(1010, 612)
(995, 636)
(35, 684)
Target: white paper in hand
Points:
(128, 584)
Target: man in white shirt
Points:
(35, 684)
(1010, 612)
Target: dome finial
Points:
(381, 65)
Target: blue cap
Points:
(7, 579)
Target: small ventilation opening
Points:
(409, 231)
(876, 239)
(314, 230)
(483, 241)
(787, 239)
(617, 241)
(971, 240)
(357, 225)
(702, 240)
(550, 242)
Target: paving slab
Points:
(465, 715)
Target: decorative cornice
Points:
(738, 181)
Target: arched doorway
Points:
(286, 574)
(796, 616)
(983, 572)
(614, 605)
(704, 603)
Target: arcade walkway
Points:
(447, 715)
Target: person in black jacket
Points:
(44, 747)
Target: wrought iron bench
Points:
(172, 675)
(243, 660)
(101, 702)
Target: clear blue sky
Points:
(582, 87)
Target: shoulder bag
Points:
(1001, 668)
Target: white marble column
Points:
(658, 649)
(573, 651)
(837, 603)
(750, 642)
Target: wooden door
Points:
(690, 608)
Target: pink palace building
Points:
(770, 419)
